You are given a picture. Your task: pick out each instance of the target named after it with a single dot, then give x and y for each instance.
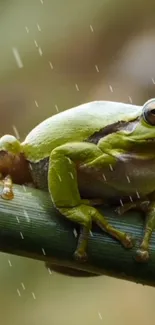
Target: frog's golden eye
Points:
(149, 111)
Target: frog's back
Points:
(75, 124)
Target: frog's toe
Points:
(80, 256)
(119, 210)
(127, 242)
(142, 255)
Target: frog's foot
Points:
(142, 255)
(141, 205)
(127, 242)
(124, 208)
(7, 191)
(80, 255)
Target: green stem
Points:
(31, 227)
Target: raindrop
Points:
(51, 65)
(96, 67)
(100, 316)
(110, 166)
(27, 30)
(19, 294)
(36, 103)
(128, 179)
(26, 216)
(59, 178)
(40, 51)
(111, 89)
(76, 86)
(49, 270)
(91, 28)
(21, 234)
(72, 176)
(138, 195)
(17, 219)
(104, 177)
(153, 81)
(43, 251)
(16, 132)
(57, 108)
(17, 57)
(35, 42)
(38, 26)
(22, 284)
(121, 203)
(75, 232)
(33, 295)
(10, 263)
(130, 99)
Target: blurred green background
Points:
(55, 55)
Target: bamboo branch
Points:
(31, 227)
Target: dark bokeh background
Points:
(55, 55)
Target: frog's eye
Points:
(149, 111)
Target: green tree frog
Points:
(100, 150)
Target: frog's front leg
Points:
(63, 187)
(7, 191)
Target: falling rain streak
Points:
(121, 203)
(111, 89)
(96, 67)
(91, 28)
(40, 51)
(104, 177)
(21, 234)
(153, 81)
(51, 65)
(91, 234)
(27, 30)
(38, 26)
(23, 286)
(77, 87)
(35, 42)
(17, 219)
(17, 57)
(130, 99)
(138, 195)
(56, 108)
(36, 103)
(10, 264)
(43, 251)
(72, 176)
(49, 270)
(128, 179)
(110, 166)
(26, 216)
(75, 232)
(33, 295)
(16, 132)
(19, 294)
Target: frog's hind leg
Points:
(63, 187)
(142, 253)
